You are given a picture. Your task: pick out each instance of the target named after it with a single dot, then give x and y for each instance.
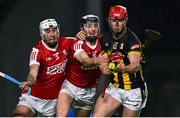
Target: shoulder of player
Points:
(38, 45)
(106, 34)
(132, 36)
(78, 44)
(133, 40)
(38, 49)
(106, 38)
(69, 38)
(35, 49)
(64, 41)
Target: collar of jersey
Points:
(92, 47)
(51, 49)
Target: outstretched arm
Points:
(31, 78)
(84, 59)
(33, 73)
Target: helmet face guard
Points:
(88, 22)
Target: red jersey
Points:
(52, 68)
(77, 74)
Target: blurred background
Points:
(19, 22)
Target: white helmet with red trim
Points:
(48, 23)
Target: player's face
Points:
(51, 36)
(91, 28)
(117, 25)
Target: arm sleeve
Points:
(77, 48)
(34, 57)
(134, 45)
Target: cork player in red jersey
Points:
(47, 64)
(79, 88)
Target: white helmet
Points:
(47, 23)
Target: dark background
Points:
(19, 22)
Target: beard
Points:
(52, 43)
(91, 38)
(118, 31)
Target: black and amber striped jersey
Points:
(128, 43)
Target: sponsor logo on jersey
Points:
(58, 68)
(115, 45)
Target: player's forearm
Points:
(134, 64)
(31, 79)
(85, 60)
(90, 61)
(33, 73)
(131, 68)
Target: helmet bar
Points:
(48, 23)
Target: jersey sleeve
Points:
(34, 57)
(68, 41)
(134, 45)
(77, 47)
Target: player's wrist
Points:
(29, 83)
(96, 60)
(120, 68)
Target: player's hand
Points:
(25, 85)
(119, 68)
(103, 59)
(81, 35)
(103, 63)
(104, 69)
